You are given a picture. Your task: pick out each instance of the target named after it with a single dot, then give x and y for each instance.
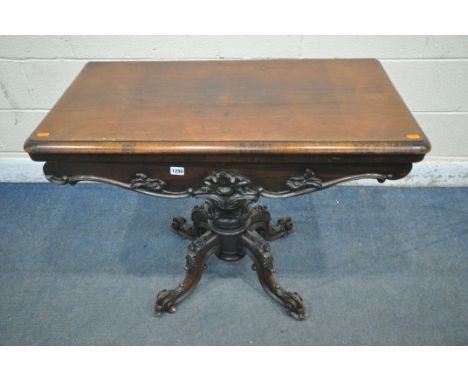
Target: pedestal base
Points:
(230, 234)
(229, 224)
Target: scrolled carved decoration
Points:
(61, 179)
(225, 189)
(140, 183)
(264, 251)
(143, 182)
(193, 254)
(308, 180)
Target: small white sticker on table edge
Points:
(180, 171)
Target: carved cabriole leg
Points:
(259, 251)
(198, 254)
(261, 222)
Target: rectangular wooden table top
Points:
(299, 107)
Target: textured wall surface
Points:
(430, 72)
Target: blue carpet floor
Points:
(376, 266)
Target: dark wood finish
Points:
(270, 176)
(229, 225)
(241, 130)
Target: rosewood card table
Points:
(229, 132)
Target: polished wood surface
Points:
(269, 107)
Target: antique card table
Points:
(229, 132)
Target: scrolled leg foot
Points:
(259, 251)
(165, 301)
(295, 304)
(261, 222)
(282, 228)
(191, 231)
(185, 230)
(198, 254)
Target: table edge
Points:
(419, 147)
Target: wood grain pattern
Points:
(291, 107)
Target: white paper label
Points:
(177, 171)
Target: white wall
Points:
(430, 72)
